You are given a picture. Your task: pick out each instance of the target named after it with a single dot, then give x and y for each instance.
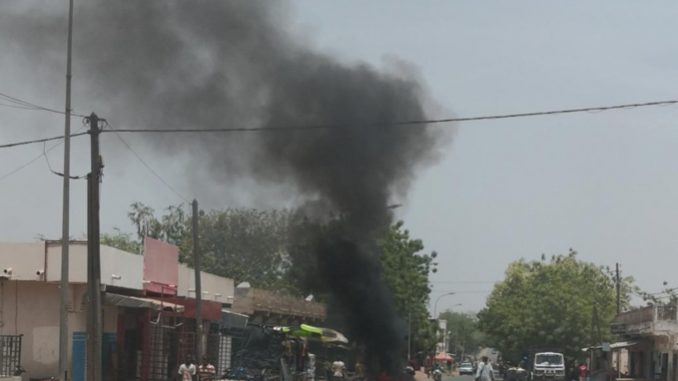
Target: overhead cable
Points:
(148, 167)
(33, 160)
(25, 142)
(26, 164)
(385, 125)
(49, 165)
(23, 104)
(401, 123)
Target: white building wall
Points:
(121, 269)
(77, 262)
(127, 268)
(214, 288)
(31, 309)
(25, 259)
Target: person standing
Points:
(186, 370)
(338, 369)
(484, 371)
(206, 371)
(583, 371)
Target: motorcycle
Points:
(408, 374)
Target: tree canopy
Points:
(563, 304)
(272, 249)
(464, 336)
(406, 271)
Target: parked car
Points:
(466, 368)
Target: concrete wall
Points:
(77, 262)
(127, 266)
(25, 259)
(215, 288)
(32, 309)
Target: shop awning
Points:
(622, 344)
(230, 319)
(325, 335)
(442, 356)
(137, 302)
(618, 345)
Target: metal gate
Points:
(219, 352)
(158, 356)
(10, 354)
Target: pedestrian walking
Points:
(187, 370)
(206, 371)
(485, 371)
(583, 371)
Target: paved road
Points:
(459, 378)
(422, 377)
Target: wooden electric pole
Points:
(94, 320)
(198, 286)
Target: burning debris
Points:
(165, 64)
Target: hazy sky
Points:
(604, 184)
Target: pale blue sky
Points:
(603, 183)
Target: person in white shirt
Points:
(338, 368)
(186, 370)
(485, 371)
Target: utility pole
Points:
(65, 240)
(94, 321)
(198, 286)
(617, 283)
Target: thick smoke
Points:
(209, 64)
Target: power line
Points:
(49, 165)
(24, 104)
(25, 142)
(393, 124)
(150, 169)
(403, 123)
(33, 160)
(26, 164)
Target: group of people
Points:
(203, 372)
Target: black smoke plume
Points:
(208, 64)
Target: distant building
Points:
(650, 349)
(148, 311)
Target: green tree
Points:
(242, 244)
(274, 249)
(406, 273)
(143, 218)
(550, 304)
(464, 335)
(122, 241)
